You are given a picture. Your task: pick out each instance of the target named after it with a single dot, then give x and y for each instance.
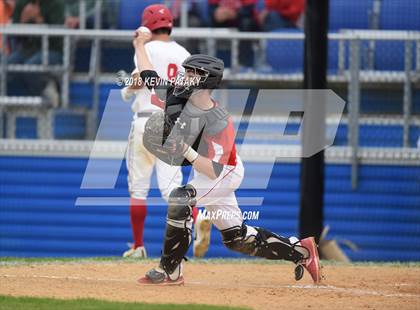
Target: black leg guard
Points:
(259, 242)
(178, 227)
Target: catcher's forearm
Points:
(203, 164)
(143, 61)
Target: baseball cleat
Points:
(202, 230)
(311, 264)
(299, 272)
(139, 252)
(156, 276)
(166, 282)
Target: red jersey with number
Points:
(167, 58)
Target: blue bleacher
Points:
(131, 12)
(380, 216)
(73, 126)
(378, 136)
(345, 14)
(389, 101)
(124, 56)
(369, 135)
(69, 126)
(286, 56)
(389, 55)
(400, 15)
(26, 128)
(66, 126)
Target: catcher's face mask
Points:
(186, 82)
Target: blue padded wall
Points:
(38, 216)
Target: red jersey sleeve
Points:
(221, 147)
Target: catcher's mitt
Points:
(160, 139)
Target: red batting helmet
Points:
(157, 16)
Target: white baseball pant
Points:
(140, 163)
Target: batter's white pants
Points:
(140, 163)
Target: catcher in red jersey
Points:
(195, 130)
(167, 57)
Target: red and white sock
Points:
(138, 212)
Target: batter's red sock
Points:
(138, 212)
(194, 214)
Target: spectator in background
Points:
(194, 16)
(108, 15)
(194, 20)
(72, 13)
(27, 50)
(282, 14)
(241, 14)
(6, 12)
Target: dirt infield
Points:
(246, 284)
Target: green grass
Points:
(15, 303)
(7, 261)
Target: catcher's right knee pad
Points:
(260, 242)
(181, 197)
(178, 227)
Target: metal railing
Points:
(354, 83)
(354, 76)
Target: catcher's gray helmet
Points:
(208, 67)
